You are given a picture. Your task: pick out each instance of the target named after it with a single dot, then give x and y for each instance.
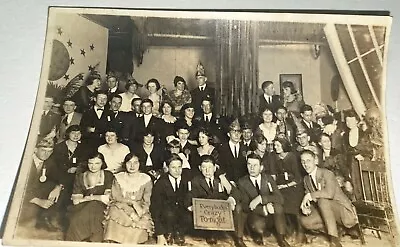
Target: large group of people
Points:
(115, 167)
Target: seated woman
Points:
(333, 160)
(187, 118)
(285, 168)
(90, 196)
(205, 147)
(168, 121)
(151, 155)
(113, 151)
(259, 147)
(180, 95)
(268, 128)
(131, 87)
(128, 219)
(154, 87)
(62, 166)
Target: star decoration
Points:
(66, 77)
(91, 68)
(83, 52)
(91, 47)
(71, 61)
(80, 77)
(69, 43)
(59, 31)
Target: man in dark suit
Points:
(41, 194)
(285, 125)
(232, 154)
(183, 133)
(269, 99)
(262, 201)
(70, 118)
(207, 119)
(208, 186)
(95, 122)
(171, 218)
(203, 90)
(314, 129)
(117, 119)
(247, 137)
(50, 120)
(325, 205)
(112, 87)
(129, 130)
(147, 121)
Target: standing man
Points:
(324, 204)
(50, 120)
(203, 90)
(269, 99)
(117, 119)
(95, 122)
(314, 129)
(112, 86)
(70, 118)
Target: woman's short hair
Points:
(91, 78)
(127, 158)
(167, 102)
(178, 79)
(285, 144)
(71, 128)
(111, 130)
(97, 155)
(155, 81)
(289, 84)
(173, 144)
(322, 135)
(206, 132)
(132, 82)
(267, 109)
(172, 157)
(207, 158)
(149, 131)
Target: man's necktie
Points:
(176, 185)
(65, 120)
(257, 187)
(236, 152)
(312, 182)
(210, 184)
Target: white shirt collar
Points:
(233, 145)
(38, 163)
(69, 116)
(183, 144)
(268, 97)
(202, 87)
(114, 89)
(172, 180)
(254, 179)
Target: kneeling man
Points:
(324, 204)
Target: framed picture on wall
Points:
(295, 78)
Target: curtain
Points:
(237, 67)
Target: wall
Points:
(327, 71)
(164, 63)
(83, 37)
(291, 59)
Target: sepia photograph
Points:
(208, 128)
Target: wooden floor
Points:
(315, 241)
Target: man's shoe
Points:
(334, 242)
(282, 242)
(169, 238)
(258, 239)
(239, 242)
(45, 224)
(179, 239)
(211, 240)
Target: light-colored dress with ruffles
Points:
(128, 218)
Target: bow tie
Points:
(100, 109)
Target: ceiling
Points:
(175, 31)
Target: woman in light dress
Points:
(131, 87)
(113, 151)
(128, 219)
(268, 128)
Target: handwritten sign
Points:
(211, 214)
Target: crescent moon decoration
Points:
(335, 83)
(60, 62)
